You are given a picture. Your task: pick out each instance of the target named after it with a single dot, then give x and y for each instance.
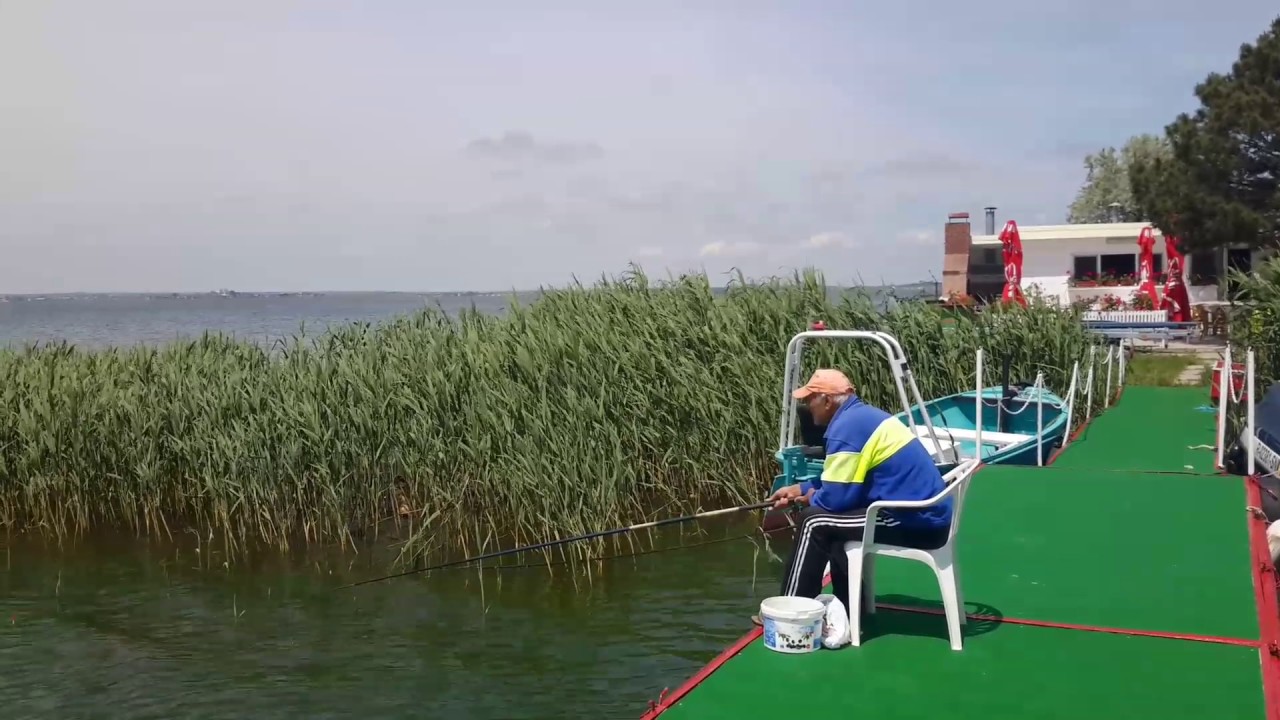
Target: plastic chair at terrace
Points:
(861, 555)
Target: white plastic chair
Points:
(861, 556)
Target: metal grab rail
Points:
(902, 376)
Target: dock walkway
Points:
(1125, 579)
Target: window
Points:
(1084, 266)
(1118, 265)
(1204, 267)
(1112, 265)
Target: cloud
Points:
(926, 165)
(829, 239)
(452, 147)
(722, 248)
(921, 237)
(517, 146)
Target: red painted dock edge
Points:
(666, 700)
(1264, 588)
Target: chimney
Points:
(955, 262)
(991, 220)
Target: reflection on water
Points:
(120, 629)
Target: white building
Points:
(1055, 255)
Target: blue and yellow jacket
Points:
(872, 455)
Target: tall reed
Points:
(589, 408)
(1255, 318)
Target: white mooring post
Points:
(1106, 401)
(1224, 397)
(1088, 407)
(1040, 419)
(977, 411)
(1252, 468)
(1123, 365)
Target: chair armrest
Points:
(954, 480)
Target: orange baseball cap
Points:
(824, 382)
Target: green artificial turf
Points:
(1090, 541)
(1167, 553)
(1004, 671)
(1151, 428)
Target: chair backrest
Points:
(957, 482)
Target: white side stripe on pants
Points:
(834, 521)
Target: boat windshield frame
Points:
(898, 366)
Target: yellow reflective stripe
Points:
(841, 467)
(889, 437)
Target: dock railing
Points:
(1068, 403)
(1227, 396)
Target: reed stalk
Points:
(591, 407)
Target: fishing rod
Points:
(576, 538)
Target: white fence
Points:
(1128, 316)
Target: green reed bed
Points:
(588, 409)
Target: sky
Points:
(158, 146)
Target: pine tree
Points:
(1222, 183)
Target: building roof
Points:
(1116, 232)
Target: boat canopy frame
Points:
(898, 365)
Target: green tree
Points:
(1107, 194)
(1221, 184)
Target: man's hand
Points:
(785, 496)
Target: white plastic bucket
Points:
(792, 624)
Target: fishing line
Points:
(620, 556)
(576, 538)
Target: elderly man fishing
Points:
(871, 455)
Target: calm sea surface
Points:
(116, 628)
(95, 321)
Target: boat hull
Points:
(1016, 432)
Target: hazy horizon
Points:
(261, 292)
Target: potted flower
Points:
(1083, 305)
(1089, 280)
(959, 301)
(1141, 301)
(1111, 303)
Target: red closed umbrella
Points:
(1012, 252)
(1175, 286)
(1146, 266)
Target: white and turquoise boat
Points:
(1020, 427)
(1015, 425)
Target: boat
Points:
(1022, 426)
(1014, 430)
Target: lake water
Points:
(96, 321)
(117, 628)
(120, 629)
